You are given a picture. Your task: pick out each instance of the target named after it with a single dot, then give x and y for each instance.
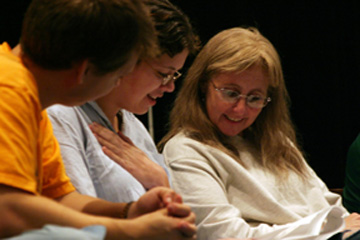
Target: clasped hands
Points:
(160, 208)
(163, 207)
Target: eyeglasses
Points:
(165, 78)
(231, 96)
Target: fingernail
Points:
(168, 200)
(170, 208)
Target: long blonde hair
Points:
(272, 133)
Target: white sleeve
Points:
(333, 199)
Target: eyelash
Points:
(161, 74)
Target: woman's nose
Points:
(169, 87)
(240, 106)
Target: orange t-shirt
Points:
(30, 156)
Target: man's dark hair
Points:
(57, 33)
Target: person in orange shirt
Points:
(71, 52)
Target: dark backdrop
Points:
(318, 42)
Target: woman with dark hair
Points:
(130, 165)
(59, 61)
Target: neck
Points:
(36, 72)
(109, 109)
(47, 82)
(54, 86)
(17, 50)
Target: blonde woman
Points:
(232, 149)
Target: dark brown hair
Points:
(57, 33)
(173, 28)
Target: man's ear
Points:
(77, 74)
(82, 69)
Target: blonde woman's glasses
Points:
(232, 96)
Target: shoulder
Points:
(129, 116)
(353, 156)
(355, 146)
(181, 141)
(62, 116)
(183, 147)
(64, 112)
(131, 122)
(60, 109)
(15, 75)
(19, 100)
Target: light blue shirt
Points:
(49, 231)
(90, 170)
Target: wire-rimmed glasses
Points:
(232, 96)
(166, 78)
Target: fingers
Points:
(109, 139)
(181, 210)
(107, 134)
(105, 143)
(352, 221)
(349, 233)
(103, 135)
(101, 131)
(118, 159)
(187, 229)
(166, 195)
(158, 198)
(178, 217)
(125, 138)
(159, 225)
(178, 199)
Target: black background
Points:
(318, 42)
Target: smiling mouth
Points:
(153, 97)
(234, 119)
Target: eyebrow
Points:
(238, 89)
(169, 67)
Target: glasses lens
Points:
(169, 78)
(255, 101)
(177, 74)
(229, 95)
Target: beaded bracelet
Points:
(125, 211)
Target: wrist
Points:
(132, 210)
(125, 211)
(161, 179)
(121, 229)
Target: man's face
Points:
(94, 86)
